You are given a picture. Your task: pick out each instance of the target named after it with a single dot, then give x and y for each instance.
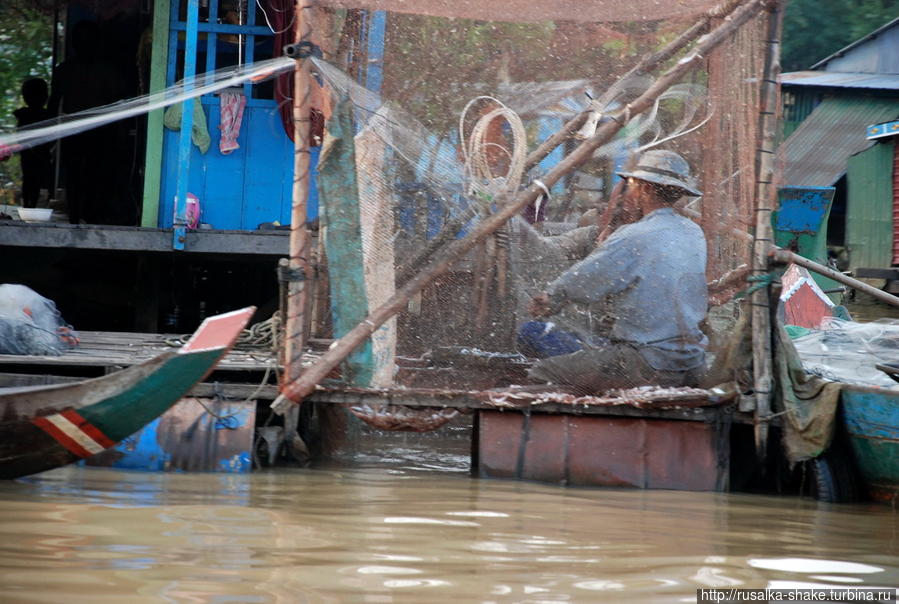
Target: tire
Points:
(833, 476)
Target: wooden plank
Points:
(153, 161)
(890, 274)
(134, 239)
(221, 193)
(341, 219)
(469, 400)
(227, 390)
(375, 208)
(266, 147)
(122, 349)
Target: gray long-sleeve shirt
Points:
(655, 271)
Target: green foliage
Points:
(26, 38)
(815, 29)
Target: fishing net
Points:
(444, 119)
(435, 131)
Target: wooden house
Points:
(837, 117)
(126, 268)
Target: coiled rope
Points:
(264, 334)
(482, 183)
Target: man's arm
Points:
(606, 271)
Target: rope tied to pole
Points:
(759, 282)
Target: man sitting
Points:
(653, 274)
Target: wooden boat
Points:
(45, 427)
(871, 418)
(870, 415)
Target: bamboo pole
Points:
(787, 257)
(298, 389)
(763, 380)
(299, 269)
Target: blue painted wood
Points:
(343, 241)
(374, 32)
(223, 185)
(803, 209)
(187, 121)
(253, 184)
(547, 127)
(224, 28)
(871, 417)
(263, 192)
(872, 414)
(212, 38)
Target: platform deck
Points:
(123, 349)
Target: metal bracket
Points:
(300, 50)
(287, 274)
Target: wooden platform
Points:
(138, 239)
(103, 352)
(690, 405)
(122, 349)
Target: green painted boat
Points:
(45, 427)
(871, 418)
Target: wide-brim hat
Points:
(665, 168)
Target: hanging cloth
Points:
(199, 133)
(232, 105)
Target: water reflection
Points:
(397, 533)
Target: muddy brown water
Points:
(402, 521)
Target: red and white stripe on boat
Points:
(74, 433)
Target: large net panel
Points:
(439, 113)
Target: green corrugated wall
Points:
(869, 207)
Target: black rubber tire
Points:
(833, 476)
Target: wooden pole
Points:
(763, 380)
(302, 387)
(299, 269)
(787, 257)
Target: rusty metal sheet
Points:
(199, 435)
(603, 451)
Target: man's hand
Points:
(540, 306)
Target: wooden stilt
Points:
(763, 381)
(296, 329)
(510, 205)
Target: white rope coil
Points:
(481, 181)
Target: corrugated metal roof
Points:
(857, 43)
(816, 153)
(880, 81)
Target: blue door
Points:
(252, 184)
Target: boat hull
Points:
(871, 417)
(45, 427)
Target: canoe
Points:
(45, 427)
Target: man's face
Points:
(636, 191)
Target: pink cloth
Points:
(232, 104)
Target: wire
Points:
(269, 23)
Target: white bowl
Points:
(35, 214)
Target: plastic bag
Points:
(30, 324)
(846, 351)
